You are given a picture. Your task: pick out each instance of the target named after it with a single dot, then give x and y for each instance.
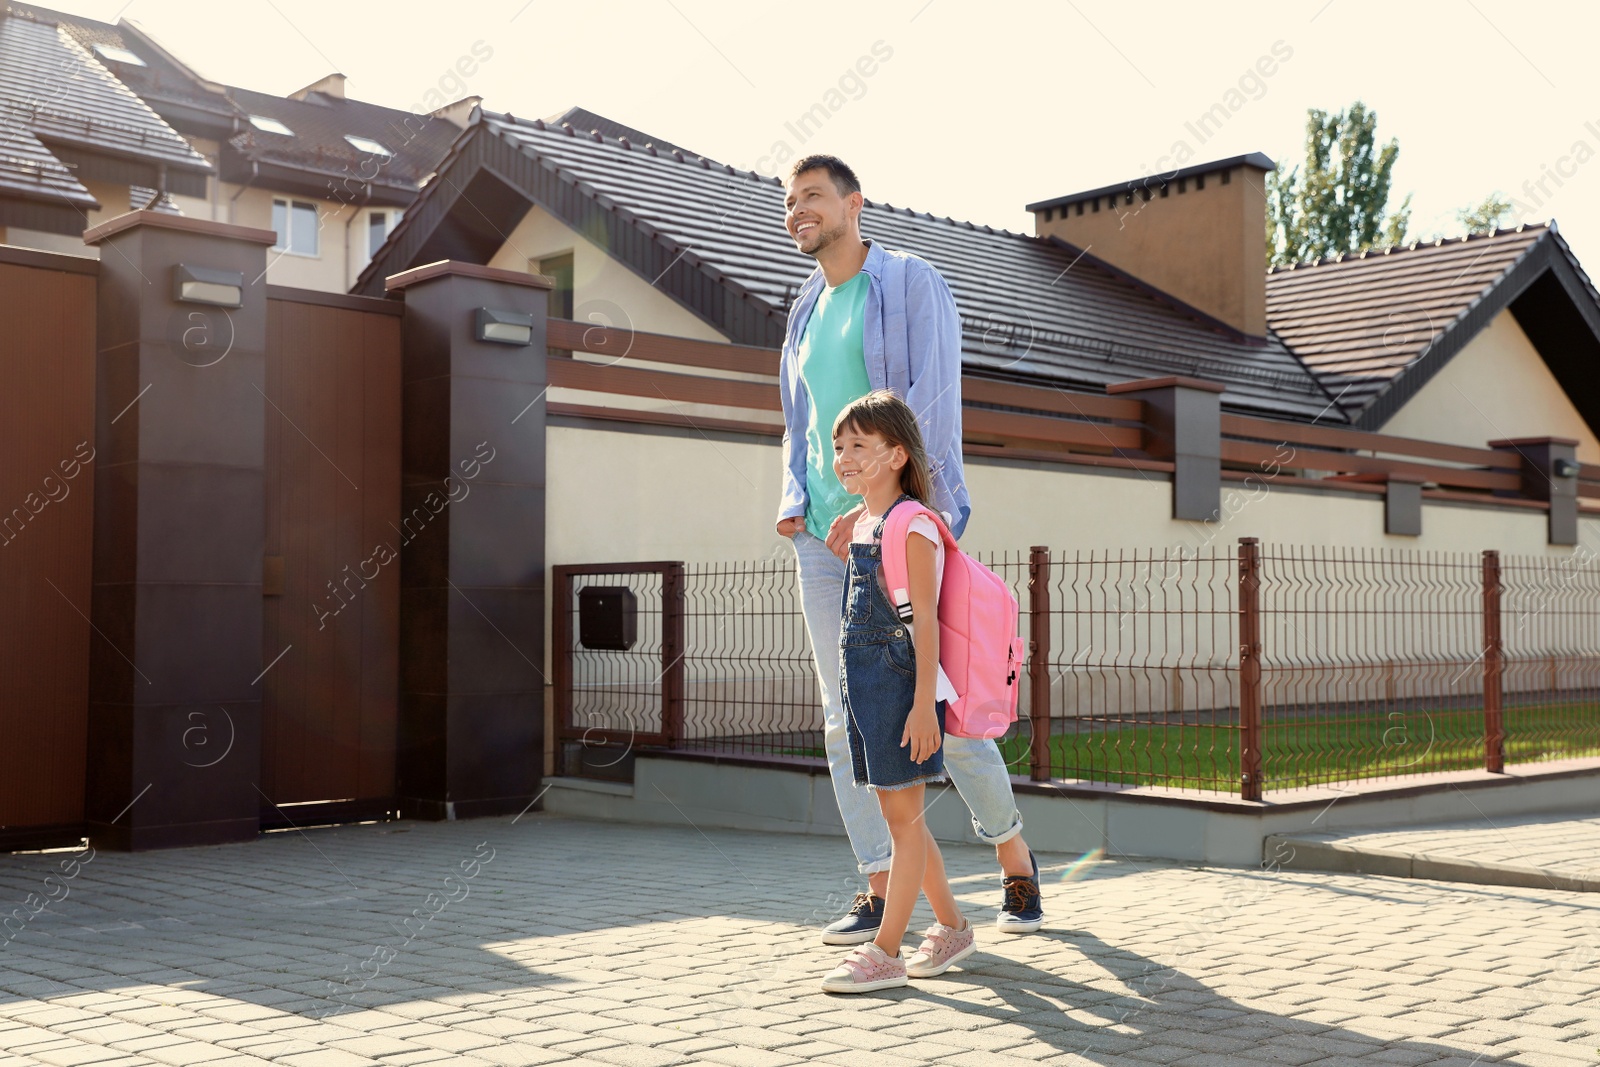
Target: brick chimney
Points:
(1197, 233)
(331, 86)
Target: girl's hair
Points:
(883, 413)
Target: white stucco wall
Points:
(604, 290)
(1496, 387)
(711, 498)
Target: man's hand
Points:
(839, 532)
(921, 732)
(792, 525)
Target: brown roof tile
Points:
(1358, 321)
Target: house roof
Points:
(160, 77)
(321, 123)
(1375, 326)
(713, 238)
(1350, 339)
(90, 110)
(314, 160)
(585, 121)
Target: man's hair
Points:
(844, 179)
(885, 414)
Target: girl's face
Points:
(865, 461)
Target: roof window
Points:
(118, 55)
(368, 145)
(266, 125)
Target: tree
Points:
(1485, 217)
(1338, 200)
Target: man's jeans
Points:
(974, 766)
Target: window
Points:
(559, 268)
(295, 222)
(118, 55)
(380, 224)
(367, 145)
(266, 125)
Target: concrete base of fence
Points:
(1073, 817)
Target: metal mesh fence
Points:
(1367, 663)
(1143, 668)
(750, 681)
(1550, 628)
(1372, 663)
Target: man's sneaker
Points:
(859, 924)
(942, 948)
(864, 970)
(1022, 912)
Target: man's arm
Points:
(933, 334)
(796, 412)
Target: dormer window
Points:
(367, 145)
(118, 55)
(266, 125)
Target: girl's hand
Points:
(921, 732)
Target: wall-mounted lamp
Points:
(203, 285)
(1564, 468)
(504, 327)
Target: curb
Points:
(1324, 852)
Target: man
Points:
(869, 318)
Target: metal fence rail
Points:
(1237, 668)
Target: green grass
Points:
(1306, 752)
(1299, 753)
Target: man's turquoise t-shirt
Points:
(834, 370)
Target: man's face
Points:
(816, 215)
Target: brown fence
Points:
(1243, 669)
(47, 436)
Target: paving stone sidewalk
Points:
(1550, 851)
(549, 940)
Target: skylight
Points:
(266, 125)
(118, 55)
(368, 145)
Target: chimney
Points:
(1197, 233)
(459, 112)
(332, 85)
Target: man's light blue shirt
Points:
(911, 341)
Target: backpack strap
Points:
(893, 529)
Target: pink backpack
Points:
(978, 644)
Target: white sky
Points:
(975, 117)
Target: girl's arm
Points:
(922, 726)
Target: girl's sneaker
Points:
(943, 947)
(864, 970)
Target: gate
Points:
(332, 574)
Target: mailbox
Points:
(608, 617)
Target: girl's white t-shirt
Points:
(924, 525)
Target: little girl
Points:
(894, 692)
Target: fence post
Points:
(1249, 669)
(1494, 734)
(1039, 661)
(561, 661)
(672, 652)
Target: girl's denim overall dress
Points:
(878, 678)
